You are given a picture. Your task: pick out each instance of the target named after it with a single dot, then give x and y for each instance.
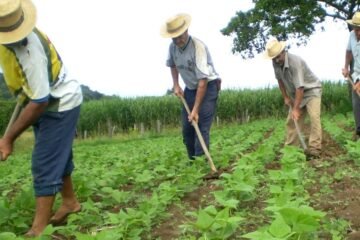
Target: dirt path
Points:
(343, 199)
(193, 201)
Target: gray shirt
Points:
(354, 47)
(193, 62)
(295, 74)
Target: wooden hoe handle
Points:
(201, 139)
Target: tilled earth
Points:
(342, 201)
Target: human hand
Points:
(357, 87)
(218, 84)
(288, 101)
(345, 72)
(178, 91)
(193, 116)
(6, 148)
(295, 114)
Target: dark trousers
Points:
(206, 116)
(356, 111)
(52, 157)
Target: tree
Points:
(283, 19)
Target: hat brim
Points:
(267, 56)
(25, 28)
(164, 32)
(352, 24)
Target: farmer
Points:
(352, 55)
(190, 57)
(51, 98)
(301, 91)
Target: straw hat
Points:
(17, 20)
(274, 48)
(355, 21)
(175, 26)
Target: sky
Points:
(114, 46)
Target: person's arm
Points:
(287, 99)
(27, 117)
(357, 87)
(348, 59)
(200, 93)
(176, 86)
(218, 84)
(299, 95)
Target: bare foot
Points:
(63, 212)
(31, 234)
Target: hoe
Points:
(200, 137)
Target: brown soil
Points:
(342, 203)
(344, 200)
(201, 197)
(197, 199)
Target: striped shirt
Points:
(354, 47)
(35, 72)
(192, 62)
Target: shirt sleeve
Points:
(202, 57)
(170, 60)
(348, 47)
(298, 75)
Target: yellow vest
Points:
(14, 74)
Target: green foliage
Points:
(214, 224)
(98, 116)
(6, 109)
(336, 97)
(89, 94)
(4, 92)
(291, 19)
(242, 105)
(291, 223)
(142, 179)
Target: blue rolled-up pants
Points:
(356, 111)
(52, 157)
(206, 116)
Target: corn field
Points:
(127, 114)
(115, 114)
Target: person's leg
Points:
(356, 111)
(292, 136)
(52, 157)
(188, 130)
(42, 215)
(206, 116)
(313, 108)
(70, 204)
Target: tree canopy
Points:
(283, 19)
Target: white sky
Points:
(115, 47)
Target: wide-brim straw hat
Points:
(274, 48)
(176, 25)
(17, 20)
(355, 21)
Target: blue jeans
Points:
(206, 116)
(52, 158)
(356, 111)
